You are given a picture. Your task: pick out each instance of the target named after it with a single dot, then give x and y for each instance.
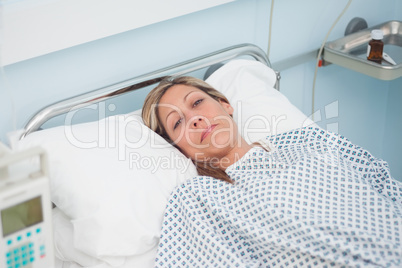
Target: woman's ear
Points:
(228, 108)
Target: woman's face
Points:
(198, 124)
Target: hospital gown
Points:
(314, 199)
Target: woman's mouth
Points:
(208, 130)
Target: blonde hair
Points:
(150, 115)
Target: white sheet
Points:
(68, 256)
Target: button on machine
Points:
(26, 239)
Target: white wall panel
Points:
(33, 28)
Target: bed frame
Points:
(103, 94)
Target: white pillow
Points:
(259, 109)
(112, 178)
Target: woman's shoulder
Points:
(200, 185)
(300, 135)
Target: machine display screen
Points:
(21, 216)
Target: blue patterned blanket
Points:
(314, 199)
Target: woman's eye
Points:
(197, 102)
(177, 124)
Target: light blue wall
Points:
(366, 107)
(392, 142)
(366, 111)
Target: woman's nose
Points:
(197, 122)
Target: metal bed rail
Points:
(130, 85)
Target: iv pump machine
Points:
(26, 235)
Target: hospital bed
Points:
(111, 178)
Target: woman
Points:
(197, 119)
(308, 198)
